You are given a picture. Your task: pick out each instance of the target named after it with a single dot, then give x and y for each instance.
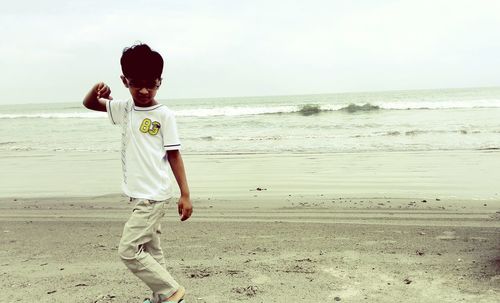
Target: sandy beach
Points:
(320, 248)
(265, 229)
(266, 234)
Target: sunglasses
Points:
(148, 84)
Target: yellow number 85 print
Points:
(147, 126)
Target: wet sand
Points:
(471, 175)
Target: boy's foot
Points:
(177, 296)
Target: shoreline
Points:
(422, 175)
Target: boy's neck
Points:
(149, 104)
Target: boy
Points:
(149, 141)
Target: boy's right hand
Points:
(103, 91)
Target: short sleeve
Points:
(116, 110)
(169, 132)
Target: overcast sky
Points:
(54, 51)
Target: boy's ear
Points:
(124, 80)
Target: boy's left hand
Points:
(185, 208)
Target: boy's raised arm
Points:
(93, 99)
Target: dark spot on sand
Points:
(249, 291)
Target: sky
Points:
(54, 51)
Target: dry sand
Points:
(259, 248)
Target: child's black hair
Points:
(139, 62)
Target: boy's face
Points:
(142, 91)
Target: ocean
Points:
(420, 120)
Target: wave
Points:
(304, 110)
(449, 104)
(323, 136)
(207, 138)
(236, 111)
(352, 108)
(76, 115)
(307, 109)
(313, 109)
(421, 132)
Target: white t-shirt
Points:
(147, 133)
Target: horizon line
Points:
(285, 95)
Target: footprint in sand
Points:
(369, 243)
(447, 235)
(261, 279)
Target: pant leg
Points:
(153, 247)
(138, 234)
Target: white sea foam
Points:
(462, 104)
(277, 109)
(288, 109)
(56, 115)
(235, 111)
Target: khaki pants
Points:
(140, 248)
